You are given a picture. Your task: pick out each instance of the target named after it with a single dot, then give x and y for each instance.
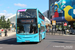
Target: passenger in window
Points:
(35, 30)
(31, 29)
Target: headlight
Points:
(19, 37)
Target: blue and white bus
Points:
(30, 25)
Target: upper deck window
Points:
(41, 16)
(29, 13)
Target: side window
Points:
(42, 28)
(35, 28)
(41, 16)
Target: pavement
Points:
(9, 33)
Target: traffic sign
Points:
(65, 24)
(53, 22)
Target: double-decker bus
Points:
(30, 25)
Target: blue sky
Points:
(9, 7)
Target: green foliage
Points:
(4, 23)
(56, 26)
(60, 26)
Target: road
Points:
(52, 42)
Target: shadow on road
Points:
(60, 39)
(66, 41)
(28, 43)
(13, 42)
(62, 42)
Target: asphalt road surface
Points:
(52, 42)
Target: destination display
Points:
(22, 10)
(26, 20)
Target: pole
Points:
(62, 28)
(49, 10)
(52, 29)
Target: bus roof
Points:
(32, 8)
(27, 8)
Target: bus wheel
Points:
(44, 38)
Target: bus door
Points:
(40, 36)
(39, 26)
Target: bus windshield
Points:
(29, 13)
(26, 28)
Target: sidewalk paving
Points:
(9, 33)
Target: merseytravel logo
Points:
(67, 16)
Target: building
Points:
(50, 2)
(46, 14)
(12, 19)
(63, 11)
(47, 20)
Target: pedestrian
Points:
(5, 32)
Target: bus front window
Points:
(26, 28)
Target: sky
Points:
(10, 7)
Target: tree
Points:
(0, 23)
(4, 23)
(8, 23)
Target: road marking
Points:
(69, 35)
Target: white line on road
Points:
(69, 35)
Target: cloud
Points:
(4, 11)
(19, 4)
(6, 14)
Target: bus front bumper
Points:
(28, 38)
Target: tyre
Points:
(44, 38)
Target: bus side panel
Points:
(41, 22)
(43, 34)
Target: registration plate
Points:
(27, 41)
